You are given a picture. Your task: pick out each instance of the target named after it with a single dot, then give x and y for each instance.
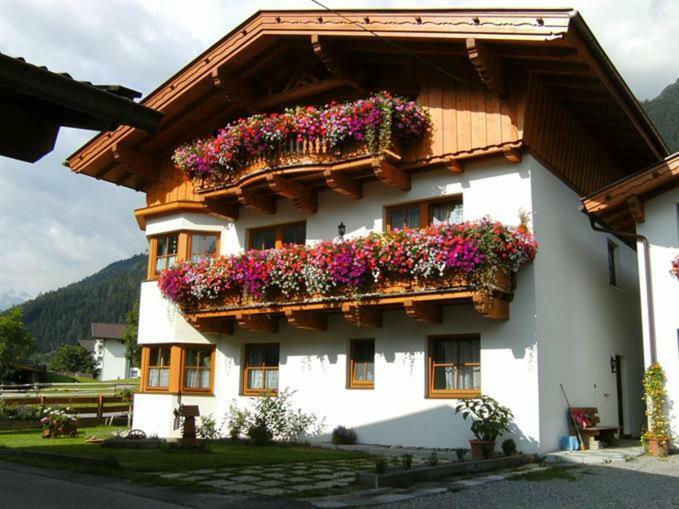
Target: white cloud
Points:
(56, 227)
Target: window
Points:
(422, 214)
(277, 236)
(612, 254)
(164, 252)
(362, 364)
(203, 245)
(260, 368)
(158, 374)
(197, 369)
(454, 367)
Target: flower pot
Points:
(479, 447)
(660, 448)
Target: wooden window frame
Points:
(189, 241)
(153, 251)
(449, 393)
(146, 366)
(182, 371)
(278, 233)
(183, 247)
(245, 369)
(352, 383)
(612, 255)
(425, 209)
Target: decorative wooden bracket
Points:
(487, 67)
(512, 154)
(307, 320)
(265, 204)
(137, 161)
(423, 311)
(362, 316)
(453, 165)
(303, 198)
(214, 325)
(636, 209)
(226, 210)
(390, 174)
(331, 63)
(259, 323)
(491, 306)
(234, 90)
(343, 184)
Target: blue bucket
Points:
(569, 443)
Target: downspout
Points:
(599, 227)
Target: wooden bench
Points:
(607, 434)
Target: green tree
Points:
(132, 350)
(16, 342)
(72, 359)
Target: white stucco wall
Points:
(565, 322)
(581, 319)
(661, 227)
(114, 364)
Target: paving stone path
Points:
(282, 479)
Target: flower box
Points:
(474, 256)
(302, 135)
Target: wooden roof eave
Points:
(513, 25)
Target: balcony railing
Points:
(417, 270)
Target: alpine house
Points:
(378, 210)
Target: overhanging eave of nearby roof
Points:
(36, 102)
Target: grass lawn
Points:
(219, 455)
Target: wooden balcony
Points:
(297, 170)
(421, 302)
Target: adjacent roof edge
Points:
(108, 330)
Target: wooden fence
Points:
(92, 389)
(96, 407)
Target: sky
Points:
(57, 227)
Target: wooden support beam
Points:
(226, 210)
(512, 154)
(362, 316)
(636, 209)
(491, 306)
(423, 311)
(137, 161)
(342, 184)
(453, 165)
(487, 67)
(332, 64)
(290, 96)
(390, 174)
(303, 198)
(214, 325)
(307, 320)
(256, 201)
(234, 90)
(259, 323)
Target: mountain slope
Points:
(12, 298)
(64, 315)
(664, 111)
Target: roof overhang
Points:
(621, 205)
(209, 85)
(36, 102)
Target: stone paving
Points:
(293, 479)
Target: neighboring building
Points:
(36, 102)
(528, 114)
(647, 204)
(108, 349)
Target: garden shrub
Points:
(343, 436)
(276, 413)
(20, 412)
(208, 429)
(509, 447)
(259, 432)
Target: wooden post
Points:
(100, 408)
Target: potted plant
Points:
(657, 438)
(490, 420)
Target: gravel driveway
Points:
(641, 483)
